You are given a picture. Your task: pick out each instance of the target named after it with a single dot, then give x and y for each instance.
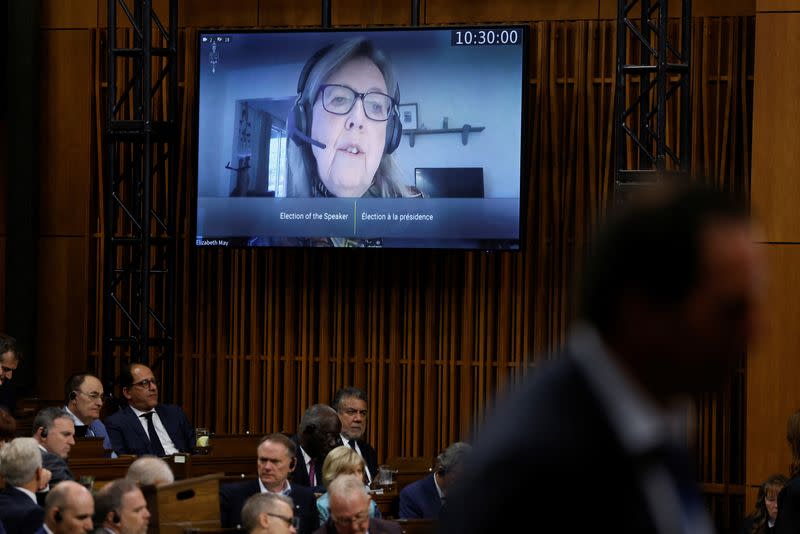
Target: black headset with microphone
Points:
(298, 123)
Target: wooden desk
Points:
(88, 448)
(409, 469)
(388, 503)
(102, 469)
(183, 504)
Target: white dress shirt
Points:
(166, 441)
(287, 488)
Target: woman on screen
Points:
(344, 125)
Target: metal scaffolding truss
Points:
(651, 118)
(141, 144)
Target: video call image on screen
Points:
(408, 138)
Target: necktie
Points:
(155, 444)
(311, 474)
(89, 432)
(352, 444)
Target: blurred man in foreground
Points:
(669, 302)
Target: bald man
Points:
(68, 509)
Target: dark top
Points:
(18, 512)
(420, 500)
(233, 496)
(555, 433)
(376, 526)
(57, 466)
(788, 520)
(128, 436)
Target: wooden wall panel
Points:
(773, 368)
(64, 14)
(371, 13)
(290, 13)
(65, 132)
(216, 14)
(776, 108)
(700, 8)
(777, 5)
(62, 279)
(480, 11)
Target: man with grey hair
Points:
(150, 471)
(317, 435)
(68, 509)
(350, 404)
(424, 498)
(349, 506)
(269, 513)
(54, 430)
(120, 508)
(21, 467)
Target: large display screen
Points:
(409, 138)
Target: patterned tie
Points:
(155, 444)
(311, 474)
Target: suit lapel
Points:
(133, 422)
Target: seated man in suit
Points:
(276, 458)
(424, 498)
(120, 508)
(21, 467)
(269, 513)
(83, 394)
(319, 432)
(150, 471)
(68, 510)
(54, 430)
(9, 360)
(349, 504)
(351, 405)
(145, 426)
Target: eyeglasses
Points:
(290, 521)
(145, 384)
(95, 396)
(358, 518)
(340, 99)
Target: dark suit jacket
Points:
(233, 496)
(57, 466)
(788, 520)
(128, 436)
(8, 396)
(370, 457)
(18, 512)
(376, 526)
(532, 457)
(420, 500)
(300, 474)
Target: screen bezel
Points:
(525, 128)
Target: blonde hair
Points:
(340, 460)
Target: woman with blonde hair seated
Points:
(341, 461)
